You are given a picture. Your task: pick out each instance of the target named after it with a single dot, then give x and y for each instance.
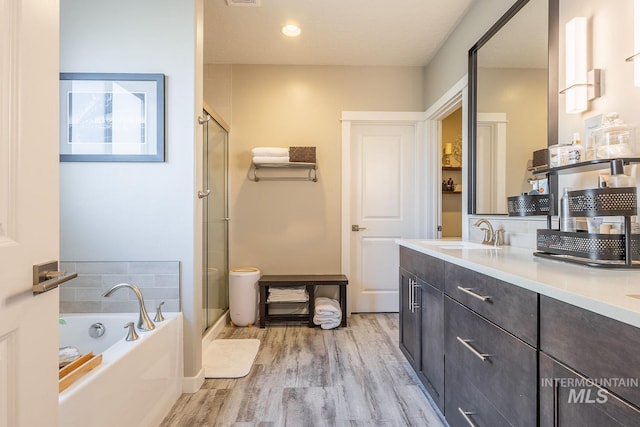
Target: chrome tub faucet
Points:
(144, 322)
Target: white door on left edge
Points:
(29, 120)
(383, 209)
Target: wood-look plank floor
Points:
(354, 376)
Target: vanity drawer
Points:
(568, 399)
(509, 306)
(594, 345)
(500, 366)
(427, 268)
(464, 404)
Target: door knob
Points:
(47, 277)
(356, 227)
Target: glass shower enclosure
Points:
(215, 288)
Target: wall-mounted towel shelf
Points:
(293, 171)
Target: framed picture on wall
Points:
(112, 117)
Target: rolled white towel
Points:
(327, 313)
(261, 160)
(270, 152)
(330, 324)
(319, 320)
(324, 305)
(325, 316)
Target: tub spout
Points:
(144, 322)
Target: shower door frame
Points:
(209, 116)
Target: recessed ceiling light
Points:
(291, 30)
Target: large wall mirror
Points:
(512, 102)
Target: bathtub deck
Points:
(311, 377)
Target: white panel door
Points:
(28, 210)
(485, 188)
(383, 209)
(491, 152)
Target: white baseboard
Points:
(192, 384)
(213, 331)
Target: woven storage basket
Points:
(302, 154)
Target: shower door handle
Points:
(203, 194)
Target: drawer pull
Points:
(415, 305)
(411, 295)
(466, 414)
(481, 356)
(473, 294)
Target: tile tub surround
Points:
(602, 291)
(158, 280)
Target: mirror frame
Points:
(552, 96)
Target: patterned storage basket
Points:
(302, 154)
(530, 204)
(592, 246)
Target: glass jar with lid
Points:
(614, 138)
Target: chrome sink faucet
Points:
(144, 322)
(490, 236)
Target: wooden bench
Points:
(310, 282)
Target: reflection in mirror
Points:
(509, 99)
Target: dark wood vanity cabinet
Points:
(431, 371)
(421, 319)
(490, 372)
(510, 307)
(409, 320)
(569, 399)
(425, 267)
(499, 368)
(579, 344)
(491, 353)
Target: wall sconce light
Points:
(635, 58)
(582, 85)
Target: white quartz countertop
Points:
(614, 293)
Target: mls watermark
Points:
(589, 390)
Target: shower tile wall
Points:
(158, 280)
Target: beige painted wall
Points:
(611, 41)
(522, 95)
(217, 89)
(450, 64)
(294, 227)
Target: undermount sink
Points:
(457, 244)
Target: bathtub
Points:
(138, 381)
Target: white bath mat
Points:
(229, 358)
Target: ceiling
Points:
(334, 32)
